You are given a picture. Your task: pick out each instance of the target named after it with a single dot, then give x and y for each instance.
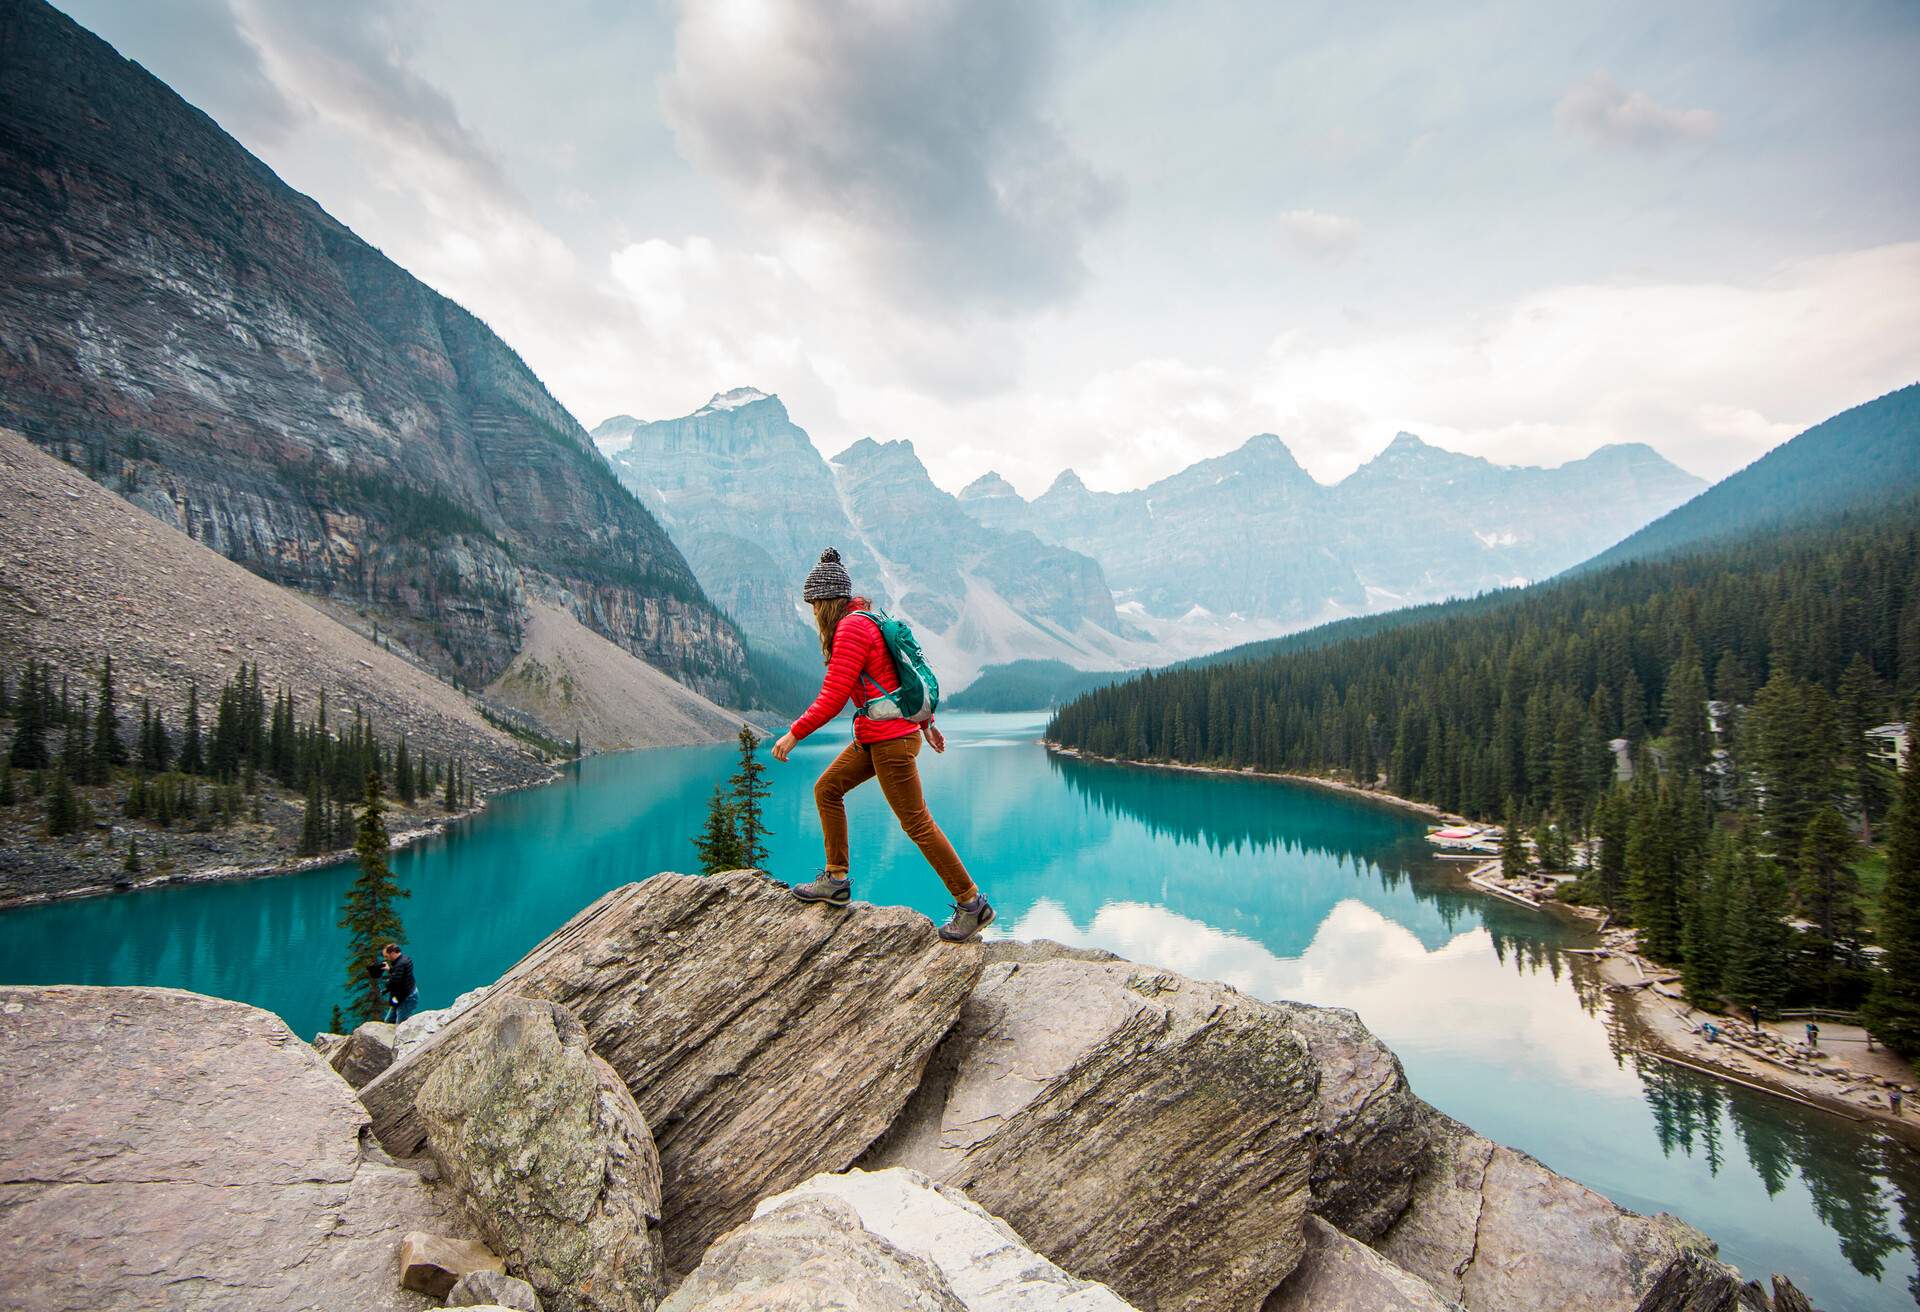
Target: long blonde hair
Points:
(827, 615)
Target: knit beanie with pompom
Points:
(828, 579)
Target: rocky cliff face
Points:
(1249, 537)
(192, 332)
(750, 500)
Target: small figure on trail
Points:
(1813, 1036)
(1712, 1032)
(1894, 1094)
(1754, 1013)
(403, 996)
(887, 733)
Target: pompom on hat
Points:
(828, 579)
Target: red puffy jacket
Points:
(858, 649)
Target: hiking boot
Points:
(969, 918)
(828, 888)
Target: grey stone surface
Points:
(1341, 1274)
(808, 1255)
(166, 1150)
(546, 1151)
(1492, 1228)
(493, 1289)
(1137, 1128)
(763, 1041)
(988, 1266)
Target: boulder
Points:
(434, 1264)
(550, 1157)
(1492, 1228)
(806, 1255)
(492, 1289)
(164, 1149)
(763, 1040)
(367, 1052)
(326, 1044)
(1137, 1128)
(1341, 1274)
(988, 1266)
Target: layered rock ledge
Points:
(664, 1099)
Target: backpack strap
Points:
(879, 693)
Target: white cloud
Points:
(1604, 111)
(910, 142)
(1320, 236)
(1711, 374)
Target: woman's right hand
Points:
(784, 746)
(935, 739)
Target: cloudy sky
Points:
(1121, 235)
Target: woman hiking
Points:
(859, 669)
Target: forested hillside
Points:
(1863, 456)
(1743, 680)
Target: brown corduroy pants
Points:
(892, 763)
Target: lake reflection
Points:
(1283, 891)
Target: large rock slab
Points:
(550, 1158)
(763, 1040)
(1139, 1129)
(167, 1150)
(1492, 1228)
(366, 1052)
(1341, 1274)
(1373, 1131)
(988, 1266)
(806, 1255)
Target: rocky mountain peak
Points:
(1065, 483)
(989, 484)
(736, 398)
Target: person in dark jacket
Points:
(860, 670)
(403, 996)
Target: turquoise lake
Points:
(1285, 891)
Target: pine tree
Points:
(718, 842)
(8, 796)
(63, 807)
(1689, 740)
(1857, 705)
(370, 915)
(132, 864)
(29, 750)
(1893, 1009)
(747, 792)
(336, 1023)
(1759, 957)
(1653, 887)
(451, 799)
(108, 749)
(193, 759)
(1513, 847)
(1703, 928)
(403, 772)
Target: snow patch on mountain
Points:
(732, 400)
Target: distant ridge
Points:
(1866, 456)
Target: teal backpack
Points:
(919, 692)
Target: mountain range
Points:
(1243, 546)
(752, 502)
(183, 326)
(1251, 538)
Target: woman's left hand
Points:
(784, 746)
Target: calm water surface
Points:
(1284, 891)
